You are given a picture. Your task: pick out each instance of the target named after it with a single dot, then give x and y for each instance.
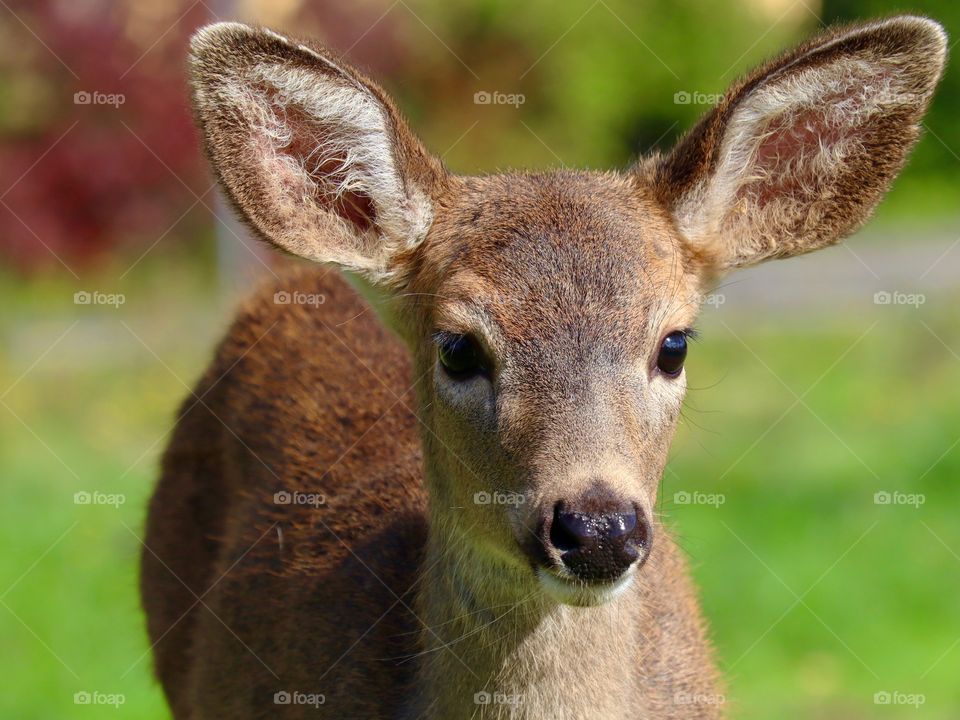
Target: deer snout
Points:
(598, 542)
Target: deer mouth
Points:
(579, 593)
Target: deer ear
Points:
(313, 155)
(798, 153)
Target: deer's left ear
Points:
(799, 152)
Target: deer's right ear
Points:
(313, 154)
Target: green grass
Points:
(876, 609)
(877, 583)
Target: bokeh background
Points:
(814, 478)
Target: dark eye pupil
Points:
(673, 352)
(460, 356)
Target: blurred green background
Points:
(814, 478)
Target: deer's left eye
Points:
(673, 351)
(461, 356)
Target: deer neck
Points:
(494, 646)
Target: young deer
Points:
(490, 548)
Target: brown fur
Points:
(402, 595)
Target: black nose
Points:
(599, 545)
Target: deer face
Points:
(548, 314)
(554, 319)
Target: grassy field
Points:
(824, 600)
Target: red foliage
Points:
(78, 179)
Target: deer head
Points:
(548, 314)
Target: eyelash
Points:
(443, 337)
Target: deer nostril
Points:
(570, 530)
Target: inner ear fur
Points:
(801, 150)
(314, 155)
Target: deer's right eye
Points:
(461, 356)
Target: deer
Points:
(432, 493)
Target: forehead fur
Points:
(565, 254)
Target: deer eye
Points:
(673, 351)
(461, 356)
